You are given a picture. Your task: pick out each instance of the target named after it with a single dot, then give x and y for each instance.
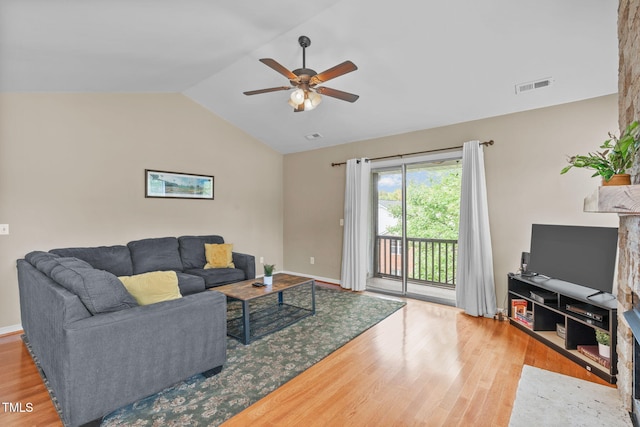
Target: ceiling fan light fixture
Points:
(297, 96)
(314, 98)
(308, 105)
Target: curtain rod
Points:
(486, 144)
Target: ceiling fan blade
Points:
(279, 68)
(271, 89)
(345, 96)
(332, 73)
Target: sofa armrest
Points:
(246, 263)
(45, 307)
(117, 358)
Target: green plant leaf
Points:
(603, 337)
(617, 157)
(565, 169)
(268, 269)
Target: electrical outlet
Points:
(312, 260)
(4, 228)
(341, 222)
(261, 260)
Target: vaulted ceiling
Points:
(421, 64)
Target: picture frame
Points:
(177, 185)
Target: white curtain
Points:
(475, 288)
(354, 245)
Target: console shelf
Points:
(548, 314)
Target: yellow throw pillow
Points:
(153, 287)
(219, 255)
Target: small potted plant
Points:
(268, 274)
(604, 343)
(611, 163)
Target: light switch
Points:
(4, 228)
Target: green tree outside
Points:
(433, 206)
(433, 212)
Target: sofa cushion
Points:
(190, 284)
(99, 290)
(43, 261)
(218, 276)
(192, 250)
(152, 287)
(158, 254)
(114, 259)
(218, 255)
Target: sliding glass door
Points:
(388, 208)
(416, 214)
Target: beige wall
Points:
(72, 174)
(523, 181)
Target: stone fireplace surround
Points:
(628, 279)
(632, 318)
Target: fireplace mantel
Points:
(620, 199)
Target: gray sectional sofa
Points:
(98, 349)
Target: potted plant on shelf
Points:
(611, 163)
(604, 343)
(268, 274)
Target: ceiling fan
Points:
(307, 94)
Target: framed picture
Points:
(177, 185)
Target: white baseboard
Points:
(10, 329)
(322, 279)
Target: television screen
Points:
(582, 255)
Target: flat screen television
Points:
(577, 254)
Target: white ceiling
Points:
(422, 63)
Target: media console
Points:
(565, 316)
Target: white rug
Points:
(545, 398)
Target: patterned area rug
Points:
(546, 398)
(253, 371)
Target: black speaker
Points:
(524, 261)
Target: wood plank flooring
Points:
(425, 365)
(20, 382)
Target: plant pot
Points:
(620, 179)
(604, 350)
(267, 280)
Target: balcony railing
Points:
(429, 261)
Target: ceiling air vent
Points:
(313, 136)
(538, 84)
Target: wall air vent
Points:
(538, 84)
(313, 136)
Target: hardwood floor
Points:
(20, 382)
(425, 365)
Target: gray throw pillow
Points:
(99, 290)
(43, 261)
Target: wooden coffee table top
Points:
(245, 290)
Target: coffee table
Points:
(269, 317)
